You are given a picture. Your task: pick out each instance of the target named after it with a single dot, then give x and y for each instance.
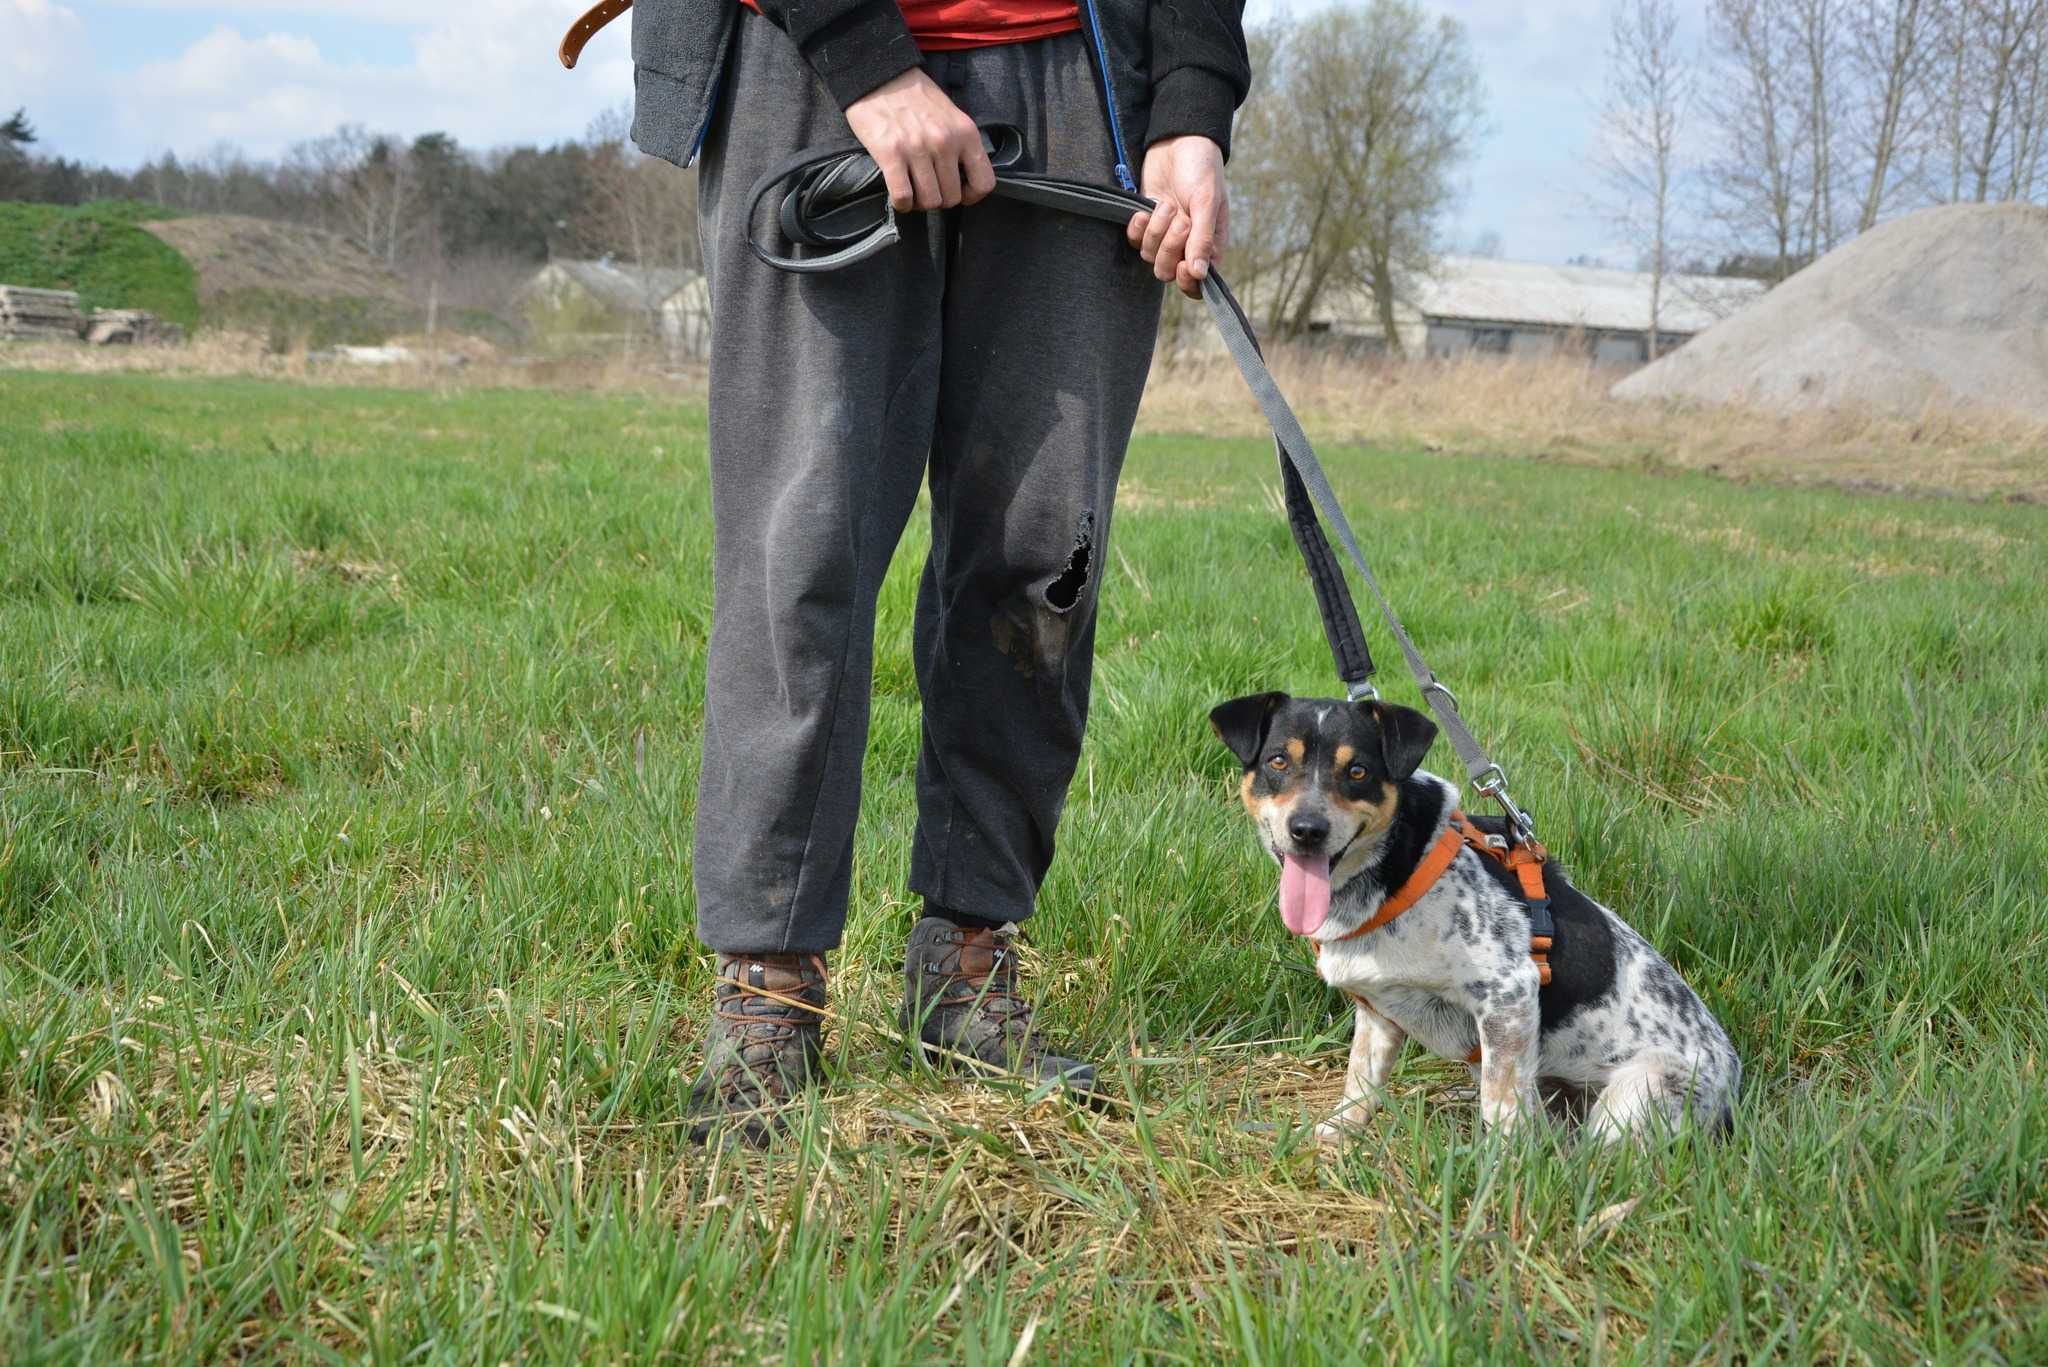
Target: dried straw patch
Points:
(1162, 1197)
(1554, 409)
(1541, 408)
(454, 361)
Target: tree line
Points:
(421, 206)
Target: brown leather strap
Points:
(586, 27)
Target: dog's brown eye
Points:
(1357, 772)
(1277, 763)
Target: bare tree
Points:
(1816, 34)
(2030, 122)
(366, 185)
(1992, 57)
(2020, 56)
(1649, 95)
(1829, 114)
(640, 207)
(1348, 156)
(1892, 48)
(1754, 178)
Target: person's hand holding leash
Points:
(1186, 234)
(930, 153)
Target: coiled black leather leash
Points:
(841, 205)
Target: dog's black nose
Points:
(1308, 829)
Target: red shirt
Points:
(951, 25)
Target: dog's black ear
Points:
(1405, 737)
(1241, 723)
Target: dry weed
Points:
(1541, 408)
(1558, 409)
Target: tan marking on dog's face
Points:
(1375, 814)
(1297, 749)
(1341, 760)
(1373, 818)
(1272, 812)
(1245, 792)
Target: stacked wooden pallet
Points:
(131, 327)
(27, 314)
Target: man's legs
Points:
(823, 391)
(1050, 321)
(1049, 325)
(822, 394)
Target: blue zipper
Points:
(1116, 129)
(710, 108)
(717, 82)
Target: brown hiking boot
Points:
(960, 997)
(767, 1029)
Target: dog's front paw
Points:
(1348, 1121)
(1506, 1114)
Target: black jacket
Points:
(1168, 67)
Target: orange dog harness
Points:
(1525, 857)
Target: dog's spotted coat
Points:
(1617, 1027)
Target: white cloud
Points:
(39, 43)
(484, 71)
(43, 47)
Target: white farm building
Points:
(623, 301)
(1479, 304)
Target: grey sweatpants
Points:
(1003, 349)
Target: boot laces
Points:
(992, 993)
(761, 1023)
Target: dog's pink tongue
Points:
(1304, 892)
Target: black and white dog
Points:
(1335, 792)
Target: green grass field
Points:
(348, 990)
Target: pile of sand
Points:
(1947, 305)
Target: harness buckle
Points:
(1493, 783)
(1361, 691)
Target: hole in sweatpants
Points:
(1065, 591)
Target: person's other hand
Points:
(1185, 234)
(930, 153)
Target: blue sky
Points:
(119, 81)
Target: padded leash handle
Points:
(840, 200)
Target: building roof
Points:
(1480, 289)
(620, 285)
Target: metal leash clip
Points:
(1493, 783)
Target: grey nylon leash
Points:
(1299, 463)
(1299, 452)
